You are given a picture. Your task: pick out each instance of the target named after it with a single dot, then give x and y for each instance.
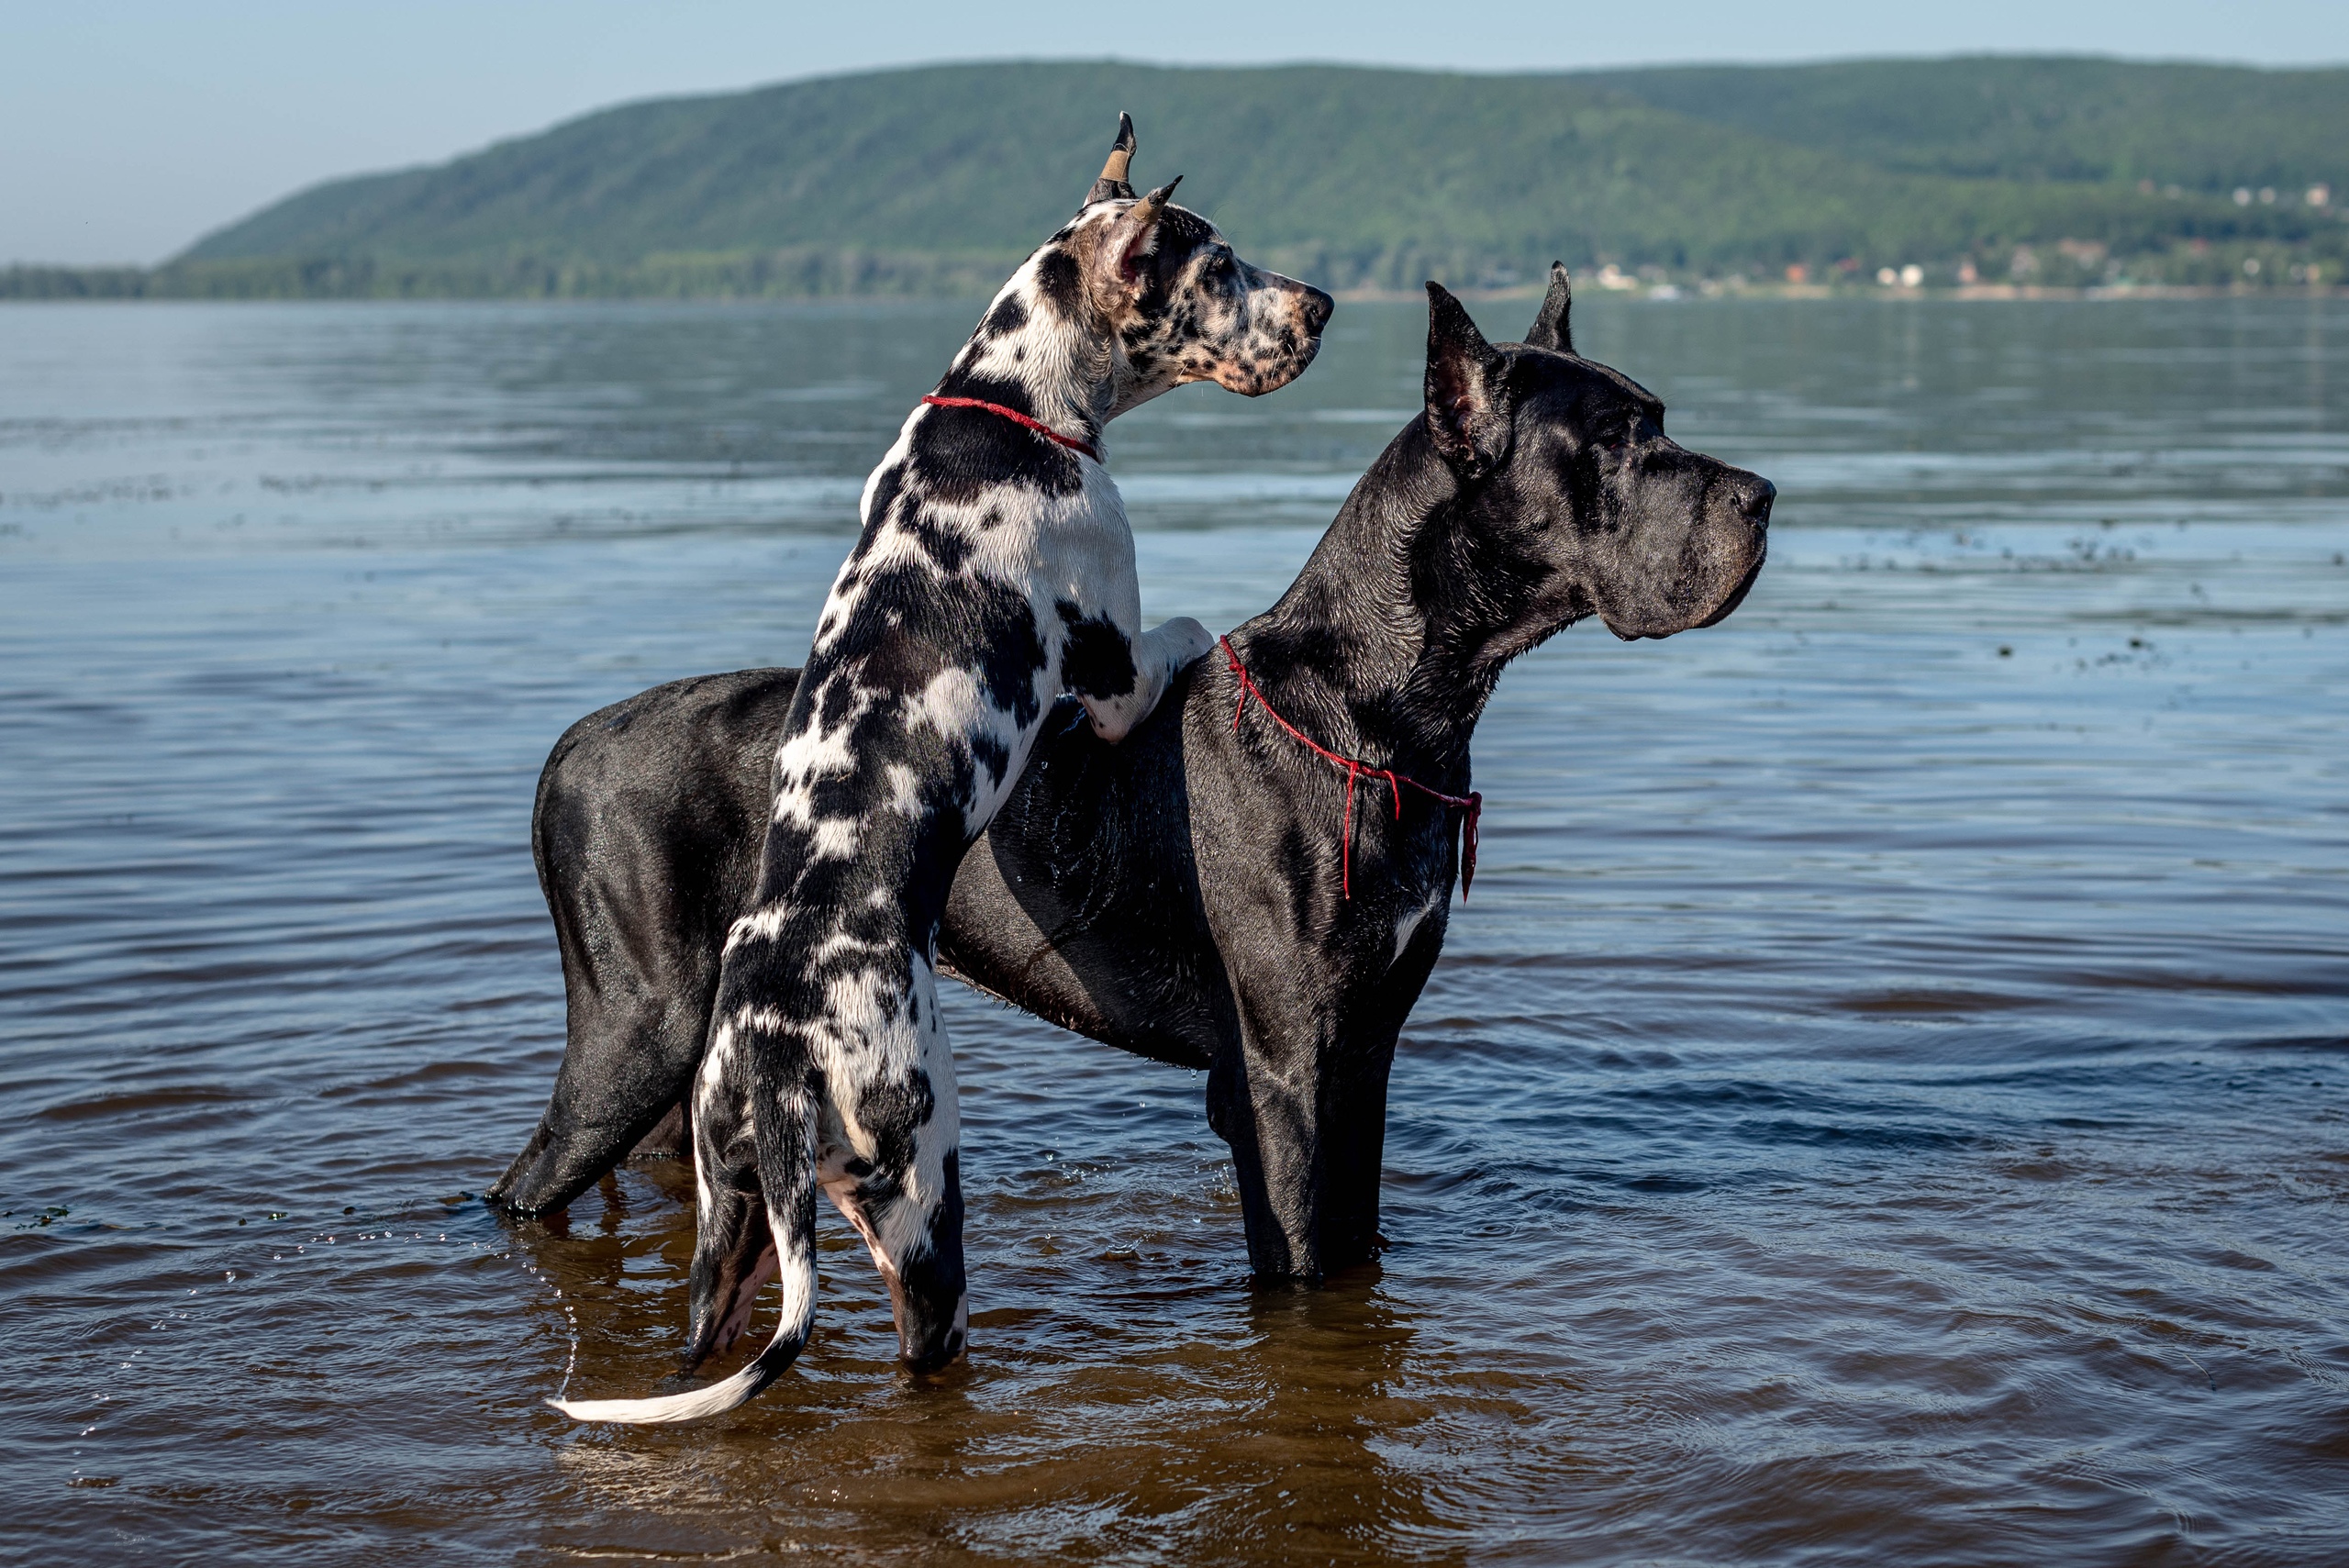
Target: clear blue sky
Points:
(128, 128)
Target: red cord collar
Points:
(1357, 770)
(1074, 443)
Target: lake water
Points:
(1887, 1100)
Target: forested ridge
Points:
(935, 180)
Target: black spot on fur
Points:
(1060, 284)
(1098, 660)
(895, 1113)
(892, 661)
(833, 700)
(1007, 317)
(993, 755)
(943, 542)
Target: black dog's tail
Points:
(736, 1227)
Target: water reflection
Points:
(1249, 1422)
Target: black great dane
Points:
(1256, 881)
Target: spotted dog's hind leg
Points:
(754, 1117)
(862, 1091)
(895, 1170)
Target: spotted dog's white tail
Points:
(796, 1260)
(787, 1177)
(717, 1399)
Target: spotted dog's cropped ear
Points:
(1112, 185)
(1550, 330)
(1467, 391)
(1121, 261)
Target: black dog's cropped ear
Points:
(1550, 330)
(1467, 401)
(1113, 184)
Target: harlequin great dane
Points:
(995, 572)
(1228, 889)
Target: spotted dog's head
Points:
(1180, 304)
(1137, 295)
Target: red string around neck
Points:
(1357, 770)
(1074, 443)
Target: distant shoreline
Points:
(12, 292)
(1971, 291)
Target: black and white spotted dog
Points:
(995, 572)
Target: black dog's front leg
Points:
(1300, 1093)
(1301, 1098)
(1307, 1147)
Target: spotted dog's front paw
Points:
(1162, 653)
(1182, 640)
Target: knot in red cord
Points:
(1473, 803)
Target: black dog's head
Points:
(1579, 504)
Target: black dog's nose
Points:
(1318, 306)
(1754, 501)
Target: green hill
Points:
(2207, 129)
(938, 179)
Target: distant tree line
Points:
(2031, 173)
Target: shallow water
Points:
(1885, 1102)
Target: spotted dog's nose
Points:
(1753, 500)
(1318, 306)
